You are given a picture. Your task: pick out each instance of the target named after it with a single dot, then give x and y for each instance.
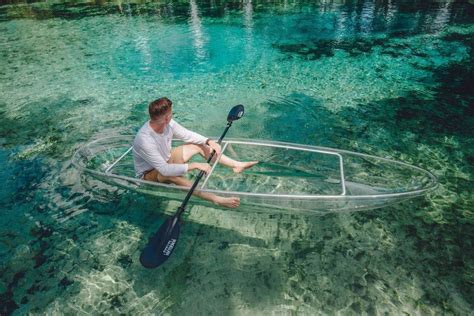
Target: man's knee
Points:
(192, 149)
(204, 151)
(201, 149)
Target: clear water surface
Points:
(389, 78)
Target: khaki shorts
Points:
(151, 175)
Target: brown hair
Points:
(159, 107)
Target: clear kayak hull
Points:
(289, 177)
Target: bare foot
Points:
(241, 166)
(230, 202)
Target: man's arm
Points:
(148, 153)
(186, 135)
(191, 137)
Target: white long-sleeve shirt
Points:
(152, 150)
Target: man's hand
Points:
(199, 165)
(214, 146)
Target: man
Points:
(156, 160)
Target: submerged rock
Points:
(8, 305)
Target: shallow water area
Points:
(391, 79)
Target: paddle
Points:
(162, 243)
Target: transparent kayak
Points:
(289, 177)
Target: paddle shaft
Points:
(182, 207)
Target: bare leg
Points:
(189, 150)
(177, 157)
(230, 202)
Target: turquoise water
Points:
(393, 79)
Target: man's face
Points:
(168, 116)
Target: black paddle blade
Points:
(161, 244)
(235, 113)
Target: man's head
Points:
(159, 108)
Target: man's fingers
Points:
(206, 168)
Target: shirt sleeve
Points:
(148, 153)
(186, 135)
